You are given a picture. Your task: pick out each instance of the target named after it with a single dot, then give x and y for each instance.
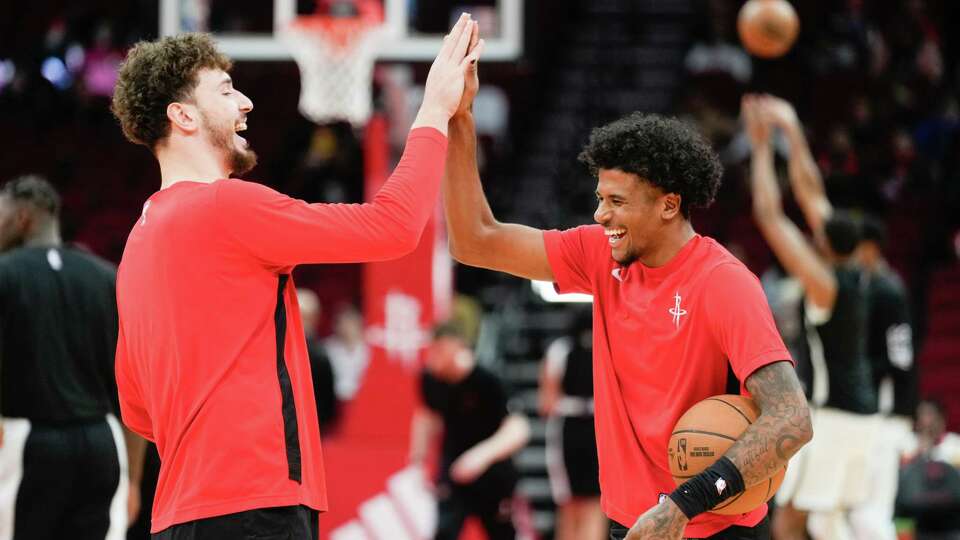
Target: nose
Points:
(602, 214)
(245, 104)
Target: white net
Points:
(336, 58)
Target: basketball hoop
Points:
(336, 57)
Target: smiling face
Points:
(632, 212)
(223, 111)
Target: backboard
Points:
(249, 30)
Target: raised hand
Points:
(778, 112)
(753, 119)
(445, 81)
(471, 80)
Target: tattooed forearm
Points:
(787, 445)
(782, 428)
(662, 522)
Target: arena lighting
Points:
(7, 71)
(545, 291)
(54, 70)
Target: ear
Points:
(671, 206)
(184, 116)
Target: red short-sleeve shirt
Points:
(663, 339)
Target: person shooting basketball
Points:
(211, 359)
(832, 482)
(673, 312)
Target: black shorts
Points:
(279, 523)
(495, 512)
(60, 481)
(760, 531)
(572, 458)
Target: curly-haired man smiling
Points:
(673, 312)
(211, 360)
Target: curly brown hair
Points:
(157, 73)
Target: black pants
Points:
(280, 523)
(761, 531)
(70, 474)
(496, 515)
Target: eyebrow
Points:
(226, 80)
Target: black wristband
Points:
(714, 485)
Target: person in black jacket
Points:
(67, 467)
(468, 402)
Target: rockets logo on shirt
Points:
(676, 310)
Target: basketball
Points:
(704, 433)
(768, 28)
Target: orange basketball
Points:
(704, 433)
(768, 28)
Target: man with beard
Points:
(211, 359)
(673, 313)
(67, 470)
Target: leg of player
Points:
(565, 528)
(830, 525)
(451, 512)
(592, 523)
(497, 520)
(789, 523)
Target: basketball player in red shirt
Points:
(211, 361)
(673, 311)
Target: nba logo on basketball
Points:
(682, 454)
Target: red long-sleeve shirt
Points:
(211, 360)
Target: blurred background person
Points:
(930, 482)
(67, 467)
(566, 400)
(828, 477)
(468, 404)
(890, 343)
(930, 435)
(348, 352)
(890, 348)
(322, 371)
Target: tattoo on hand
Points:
(662, 522)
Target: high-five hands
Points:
(444, 90)
(471, 79)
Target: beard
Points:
(239, 161)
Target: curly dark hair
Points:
(663, 151)
(157, 73)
